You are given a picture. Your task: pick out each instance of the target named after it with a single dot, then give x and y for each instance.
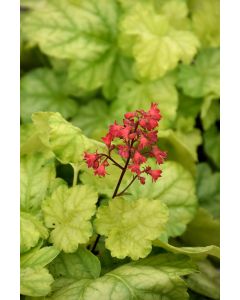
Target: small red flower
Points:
(100, 171)
(155, 174)
(136, 142)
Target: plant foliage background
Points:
(92, 61)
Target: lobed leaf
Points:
(68, 211)
(130, 226)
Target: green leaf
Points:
(38, 257)
(66, 141)
(206, 21)
(203, 230)
(177, 264)
(133, 95)
(81, 31)
(31, 230)
(189, 135)
(94, 118)
(176, 189)
(195, 252)
(208, 189)
(156, 46)
(156, 276)
(207, 282)
(35, 281)
(91, 73)
(42, 90)
(203, 77)
(79, 265)
(134, 281)
(177, 150)
(130, 226)
(68, 211)
(210, 112)
(109, 70)
(211, 144)
(37, 171)
(189, 107)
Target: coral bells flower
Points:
(135, 142)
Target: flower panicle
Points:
(138, 141)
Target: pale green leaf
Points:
(134, 281)
(206, 21)
(35, 282)
(207, 281)
(203, 230)
(202, 78)
(83, 30)
(133, 95)
(208, 189)
(42, 90)
(176, 189)
(37, 171)
(38, 257)
(79, 265)
(31, 230)
(211, 144)
(195, 252)
(65, 140)
(130, 226)
(156, 45)
(68, 211)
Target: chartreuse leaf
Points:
(211, 144)
(68, 211)
(207, 281)
(31, 230)
(203, 230)
(29, 140)
(105, 185)
(74, 31)
(36, 172)
(208, 189)
(79, 265)
(133, 95)
(156, 46)
(195, 252)
(66, 141)
(42, 90)
(130, 226)
(206, 21)
(35, 279)
(139, 280)
(176, 189)
(39, 257)
(203, 77)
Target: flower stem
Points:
(127, 186)
(76, 170)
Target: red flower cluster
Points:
(138, 137)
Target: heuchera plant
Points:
(135, 141)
